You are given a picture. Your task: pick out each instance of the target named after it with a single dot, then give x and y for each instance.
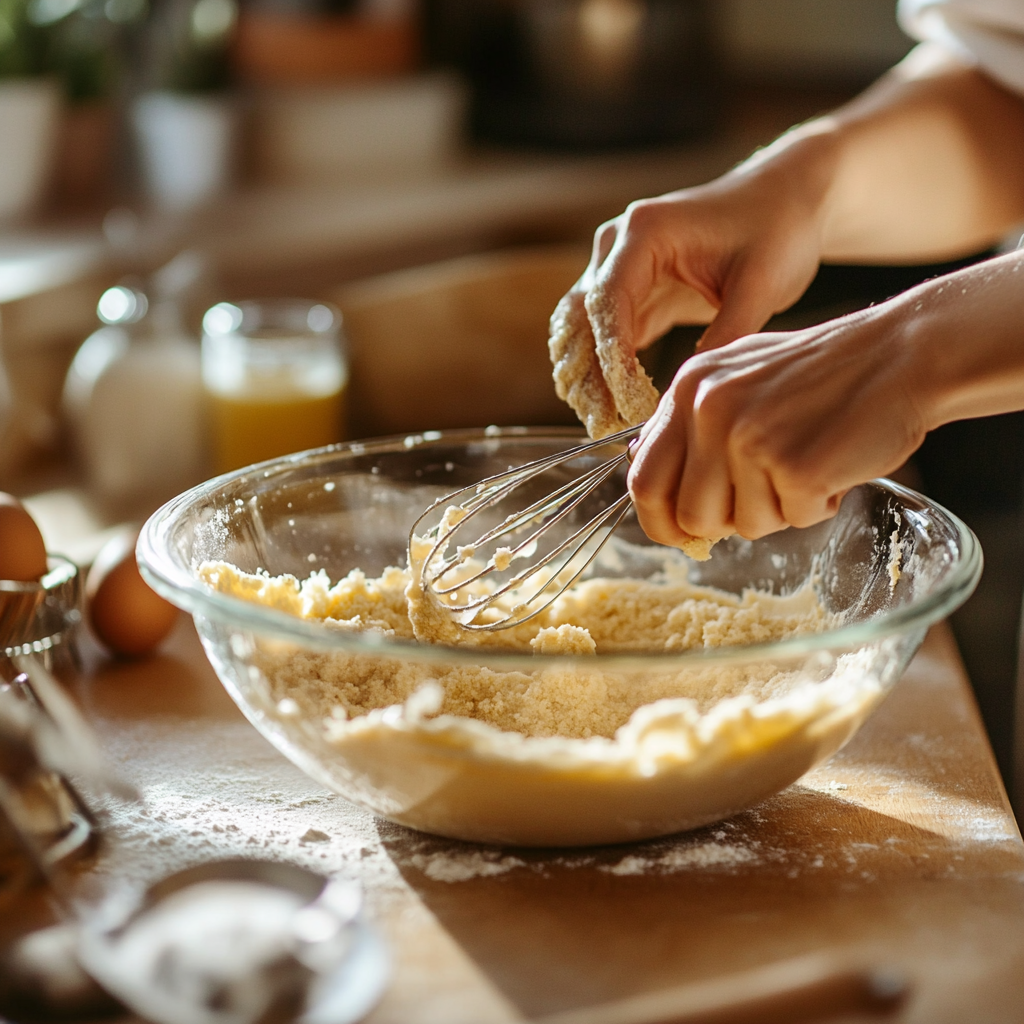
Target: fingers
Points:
(757, 507)
(604, 239)
(638, 272)
(803, 506)
(711, 464)
(655, 474)
(740, 315)
(706, 497)
(648, 297)
(748, 302)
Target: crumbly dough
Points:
(579, 379)
(577, 701)
(564, 639)
(432, 620)
(600, 379)
(634, 392)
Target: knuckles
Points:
(643, 216)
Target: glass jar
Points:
(275, 377)
(133, 400)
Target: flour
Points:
(240, 799)
(460, 867)
(706, 855)
(452, 863)
(895, 556)
(600, 378)
(505, 743)
(579, 380)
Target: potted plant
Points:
(29, 110)
(185, 119)
(86, 47)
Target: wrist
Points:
(799, 170)
(925, 355)
(961, 334)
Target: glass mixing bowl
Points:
(888, 565)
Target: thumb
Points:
(743, 311)
(757, 287)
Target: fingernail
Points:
(632, 448)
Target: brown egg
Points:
(22, 551)
(126, 615)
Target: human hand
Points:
(731, 253)
(772, 430)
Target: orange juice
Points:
(275, 379)
(251, 428)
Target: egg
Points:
(125, 613)
(22, 551)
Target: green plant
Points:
(190, 45)
(23, 45)
(85, 40)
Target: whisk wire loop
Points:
(574, 493)
(526, 609)
(554, 571)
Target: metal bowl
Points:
(352, 505)
(38, 616)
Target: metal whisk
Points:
(479, 584)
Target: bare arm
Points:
(772, 430)
(926, 165)
(761, 431)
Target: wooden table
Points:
(900, 852)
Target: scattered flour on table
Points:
(460, 867)
(706, 855)
(238, 798)
(722, 850)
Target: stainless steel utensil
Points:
(524, 534)
(41, 617)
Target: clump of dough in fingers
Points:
(633, 392)
(579, 380)
(603, 382)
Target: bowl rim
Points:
(185, 590)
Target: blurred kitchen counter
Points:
(313, 236)
(305, 240)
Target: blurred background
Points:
(436, 170)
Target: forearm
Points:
(967, 334)
(930, 165)
(926, 165)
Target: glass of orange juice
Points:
(275, 377)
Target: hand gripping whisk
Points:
(557, 535)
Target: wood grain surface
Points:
(899, 855)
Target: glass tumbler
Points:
(275, 377)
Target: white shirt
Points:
(987, 33)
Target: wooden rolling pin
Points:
(812, 988)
